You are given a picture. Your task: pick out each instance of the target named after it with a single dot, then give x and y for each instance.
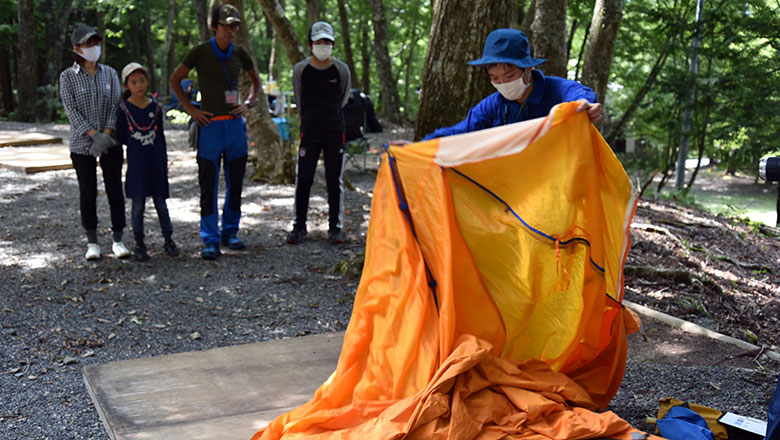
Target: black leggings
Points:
(111, 164)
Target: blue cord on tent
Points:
(405, 209)
(531, 228)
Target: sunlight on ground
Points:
(733, 196)
(26, 261)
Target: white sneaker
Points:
(93, 251)
(120, 250)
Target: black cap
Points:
(82, 33)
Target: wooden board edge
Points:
(52, 140)
(85, 374)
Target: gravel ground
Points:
(61, 313)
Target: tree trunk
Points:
(202, 16)
(617, 129)
(581, 52)
(56, 23)
(449, 86)
(549, 31)
(6, 84)
(313, 11)
(167, 61)
(100, 27)
(521, 12)
(365, 58)
(346, 38)
(150, 64)
(384, 65)
(26, 79)
(598, 58)
(412, 41)
(679, 182)
(528, 18)
(292, 46)
(273, 160)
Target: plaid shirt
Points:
(90, 102)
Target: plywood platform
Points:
(36, 159)
(224, 393)
(11, 138)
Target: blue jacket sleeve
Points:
(480, 116)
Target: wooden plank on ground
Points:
(224, 393)
(36, 159)
(12, 138)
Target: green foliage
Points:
(737, 97)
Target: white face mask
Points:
(322, 51)
(512, 90)
(91, 54)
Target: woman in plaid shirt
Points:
(90, 93)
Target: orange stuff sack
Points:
(490, 301)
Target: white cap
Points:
(130, 68)
(322, 30)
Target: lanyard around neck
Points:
(222, 56)
(522, 106)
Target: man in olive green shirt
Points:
(222, 130)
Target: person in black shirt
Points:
(321, 84)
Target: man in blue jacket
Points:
(523, 92)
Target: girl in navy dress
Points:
(140, 127)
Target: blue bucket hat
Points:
(507, 46)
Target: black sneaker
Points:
(335, 237)
(296, 236)
(234, 242)
(170, 248)
(139, 253)
(210, 252)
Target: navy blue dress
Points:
(147, 160)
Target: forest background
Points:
(698, 75)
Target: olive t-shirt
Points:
(211, 76)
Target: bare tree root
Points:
(676, 275)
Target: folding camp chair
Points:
(356, 142)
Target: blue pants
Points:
(217, 141)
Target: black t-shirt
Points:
(320, 95)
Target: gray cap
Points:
(82, 33)
(322, 31)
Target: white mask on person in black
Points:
(322, 51)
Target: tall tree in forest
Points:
(314, 11)
(26, 76)
(598, 57)
(458, 33)
(202, 16)
(384, 67)
(679, 183)
(292, 45)
(365, 57)
(549, 36)
(346, 39)
(273, 161)
(167, 65)
(150, 61)
(56, 26)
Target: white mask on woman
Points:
(322, 51)
(91, 54)
(512, 90)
